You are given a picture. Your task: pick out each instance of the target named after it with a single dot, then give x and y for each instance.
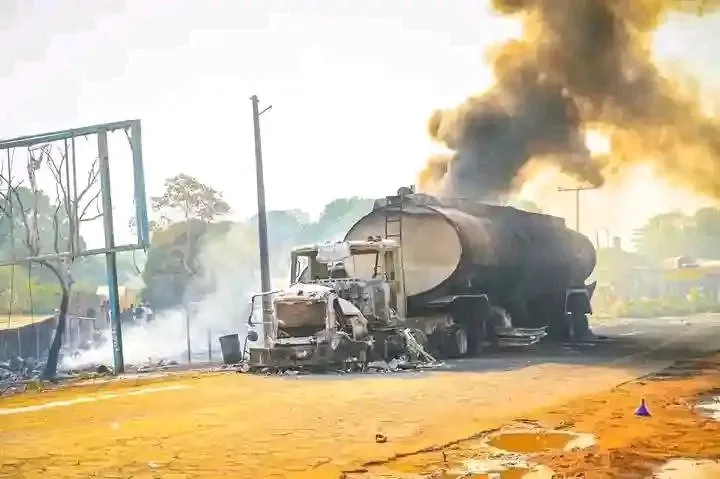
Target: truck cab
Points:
(338, 293)
(366, 273)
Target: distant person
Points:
(149, 315)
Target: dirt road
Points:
(233, 425)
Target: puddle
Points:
(533, 442)
(497, 469)
(531, 472)
(506, 454)
(538, 473)
(689, 469)
(710, 408)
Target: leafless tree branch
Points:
(92, 202)
(92, 180)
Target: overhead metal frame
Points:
(134, 132)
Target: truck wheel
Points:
(457, 342)
(559, 328)
(477, 329)
(580, 327)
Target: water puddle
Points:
(689, 469)
(506, 454)
(537, 441)
(710, 408)
(498, 469)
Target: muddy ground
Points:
(235, 425)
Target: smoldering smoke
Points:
(580, 64)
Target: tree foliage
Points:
(676, 234)
(187, 197)
(229, 250)
(186, 211)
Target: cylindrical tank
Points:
(459, 246)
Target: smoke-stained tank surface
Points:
(452, 245)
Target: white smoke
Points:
(217, 304)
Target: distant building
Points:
(126, 296)
(683, 274)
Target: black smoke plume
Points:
(580, 64)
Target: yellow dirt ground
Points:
(238, 426)
(627, 446)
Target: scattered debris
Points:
(19, 373)
(156, 365)
(710, 407)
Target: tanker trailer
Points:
(530, 267)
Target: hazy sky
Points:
(351, 83)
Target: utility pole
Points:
(262, 213)
(577, 191)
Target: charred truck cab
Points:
(312, 326)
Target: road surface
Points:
(235, 425)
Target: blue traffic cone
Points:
(642, 411)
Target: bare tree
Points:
(73, 206)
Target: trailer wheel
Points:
(580, 327)
(457, 342)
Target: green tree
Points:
(230, 250)
(664, 236)
(186, 211)
(335, 220)
(675, 234)
(704, 233)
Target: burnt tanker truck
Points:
(419, 273)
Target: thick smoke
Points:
(581, 64)
(216, 303)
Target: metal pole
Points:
(110, 259)
(577, 201)
(209, 345)
(187, 335)
(141, 215)
(262, 213)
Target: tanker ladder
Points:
(393, 215)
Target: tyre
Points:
(457, 343)
(559, 328)
(580, 327)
